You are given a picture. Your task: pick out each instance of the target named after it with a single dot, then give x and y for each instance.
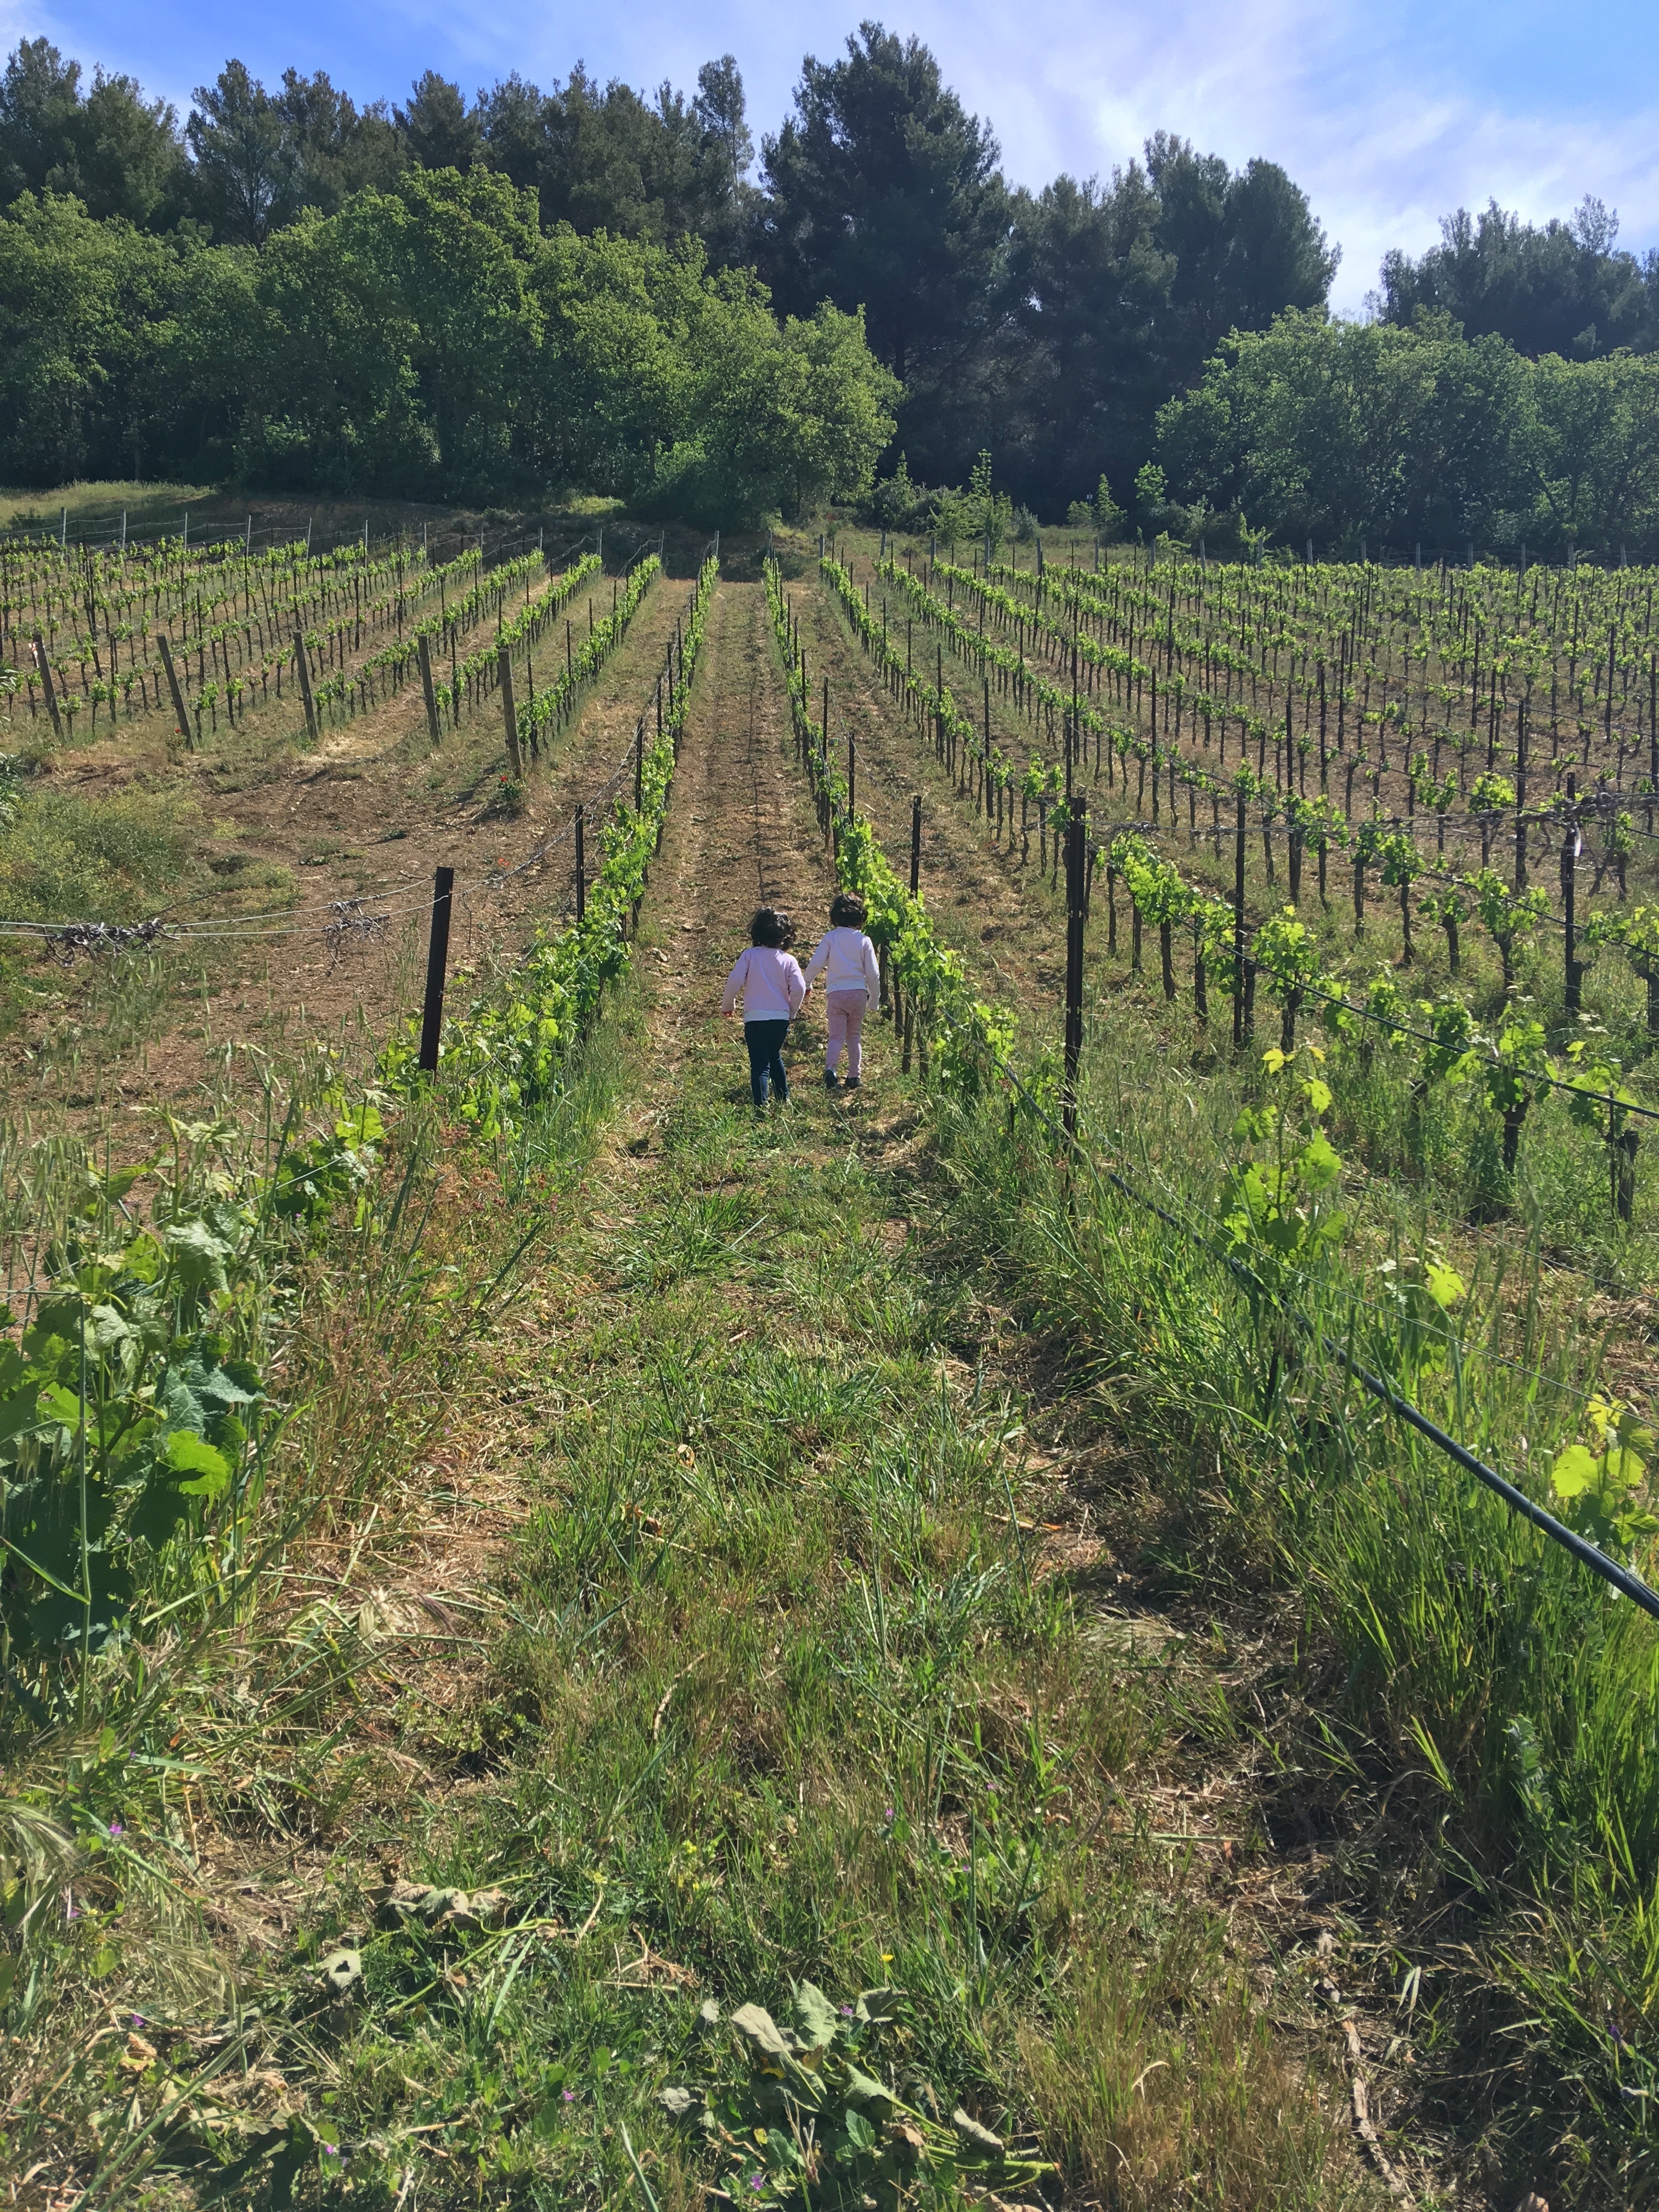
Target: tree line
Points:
(1051, 326)
(1362, 436)
(1057, 328)
(432, 339)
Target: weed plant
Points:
(780, 1698)
(348, 1285)
(1497, 1699)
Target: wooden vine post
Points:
(437, 961)
(423, 654)
(1238, 929)
(44, 666)
(303, 667)
(1077, 864)
(509, 713)
(1072, 731)
(1574, 974)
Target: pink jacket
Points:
(770, 983)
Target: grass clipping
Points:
(826, 2125)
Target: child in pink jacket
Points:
(769, 981)
(845, 959)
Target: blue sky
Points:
(1387, 116)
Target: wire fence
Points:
(1200, 1228)
(1207, 1238)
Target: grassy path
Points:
(776, 1582)
(797, 1683)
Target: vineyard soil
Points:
(278, 829)
(735, 1565)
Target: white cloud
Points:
(1386, 129)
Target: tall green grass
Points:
(779, 1694)
(65, 857)
(227, 1697)
(1511, 1699)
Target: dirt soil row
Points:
(346, 835)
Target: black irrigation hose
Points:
(1587, 1554)
(1621, 1578)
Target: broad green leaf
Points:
(110, 1329)
(757, 2026)
(1320, 1163)
(863, 2091)
(1625, 1469)
(783, 2152)
(198, 1254)
(58, 1404)
(143, 1258)
(209, 1470)
(815, 2018)
(1576, 1471)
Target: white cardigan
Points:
(847, 960)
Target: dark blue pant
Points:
(765, 1044)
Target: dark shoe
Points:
(831, 1080)
(854, 1081)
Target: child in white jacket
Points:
(846, 959)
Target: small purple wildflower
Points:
(331, 2150)
(570, 2096)
(138, 2020)
(757, 2182)
(116, 1831)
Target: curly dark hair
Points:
(847, 911)
(770, 928)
